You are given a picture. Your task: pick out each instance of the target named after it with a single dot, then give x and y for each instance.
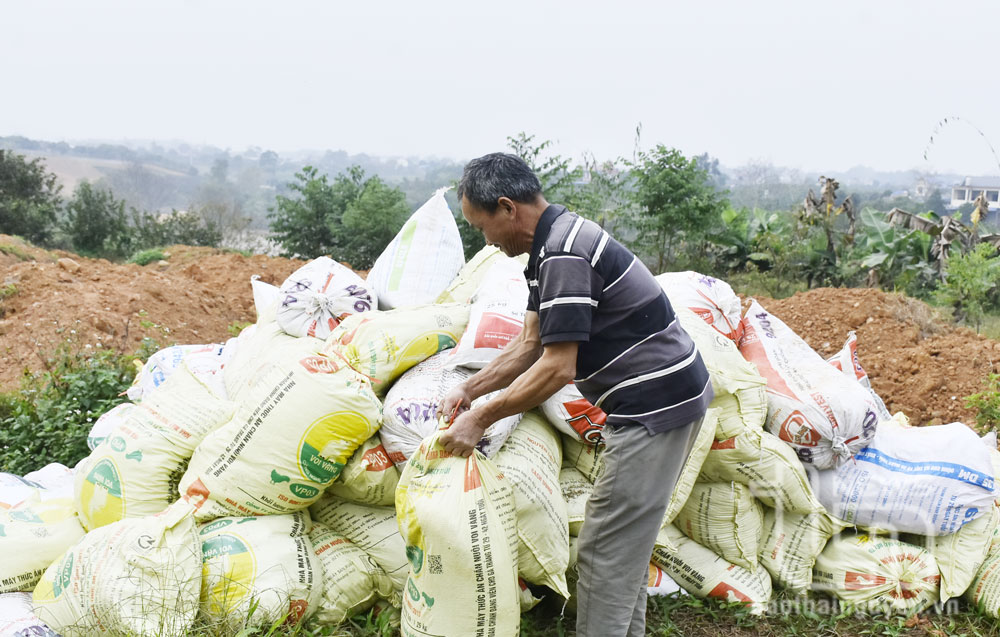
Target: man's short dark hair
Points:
(496, 175)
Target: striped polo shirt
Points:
(635, 360)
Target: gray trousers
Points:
(623, 517)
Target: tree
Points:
(96, 223)
(675, 200)
(29, 198)
(935, 203)
(553, 171)
(351, 219)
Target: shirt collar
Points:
(542, 231)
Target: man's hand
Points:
(464, 434)
(457, 401)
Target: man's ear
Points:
(506, 205)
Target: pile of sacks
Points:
(294, 472)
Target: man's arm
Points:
(520, 354)
(554, 369)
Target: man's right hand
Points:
(456, 401)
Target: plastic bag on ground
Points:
(470, 277)
(702, 573)
(134, 472)
(576, 490)
(475, 544)
(17, 619)
(410, 409)
(574, 415)
(960, 554)
(791, 543)
(352, 580)
(383, 345)
(320, 294)
(139, 576)
(421, 260)
(258, 571)
(823, 415)
(36, 531)
(374, 530)
(710, 298)
(530, 459)
(289, 440)
(369, 477)
(877, 574)
(923, 480)
(497, 315)
(724, 517)
(766, 465)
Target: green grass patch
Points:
(15, 252)
(145, 257)
(236, 327)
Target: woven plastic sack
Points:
(576, 490)
(740, 392)
(108, 422)
(383, 345)
(823, 415)
(258, 571)
(710, 298)
(960, 554)
(421, 260)
(134, 471)
(766, 465)
(530, 460)
(374, 530)
(320, 294)
(17, 619)
(352, 580)
(467, 281)
(724, 517)
(14, 489)
(702, 573)
(139, 576)
(36, 531)
(984, 592)
(790, 545)
(369, 477)
(922, 480)
(877, 574)
(259, 350)
(294, 430)
(846, 360)
(410, 409)
(585, 458)
(497, 315)
(574, 415)
(474, 543)
(692, 466)
(162, 364)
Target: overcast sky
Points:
(817, 86)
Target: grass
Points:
(15, 252)
(145, 257)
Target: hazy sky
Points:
(818, 86)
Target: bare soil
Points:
(918, 362)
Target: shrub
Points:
(987, 403)
(49, 417)
(145, 257)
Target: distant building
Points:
(969, 189)
(922, 190)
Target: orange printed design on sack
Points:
(472, 479)
(726, 592)
(797, 430)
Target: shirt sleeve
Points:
(569, 291)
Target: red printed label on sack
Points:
(728, 593)
(728, 443)
(859, 581)
(585, 419)
(376, 459)
(496, 330)
(753, 350)
(797, 430)
(319, 365)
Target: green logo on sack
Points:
(416, 556)
(214, 526)
(64, 576)
(445, 342)
(339, 426)
(216, 547)
(303, 490)
(26, 515)
(411, 588)
(118, 443)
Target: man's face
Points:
(498, 228)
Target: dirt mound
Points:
(917, 363)
(193, 297)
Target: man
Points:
(596, 315)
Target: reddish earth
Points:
(918, 363)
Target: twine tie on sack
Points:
(319, 304)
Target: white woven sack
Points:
(710, 298)
(409, 411)
(825, 416)
(18, 619)
(318, 295)
(846, 360)
(497, 315)
(422, 260)
(923, 480)
(574, 415)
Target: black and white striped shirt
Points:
(635, 360)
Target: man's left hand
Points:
(464, 434)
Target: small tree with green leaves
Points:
(96, 223)
(675, 201)
(970, 287)
(553, 171)
(29, 198)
